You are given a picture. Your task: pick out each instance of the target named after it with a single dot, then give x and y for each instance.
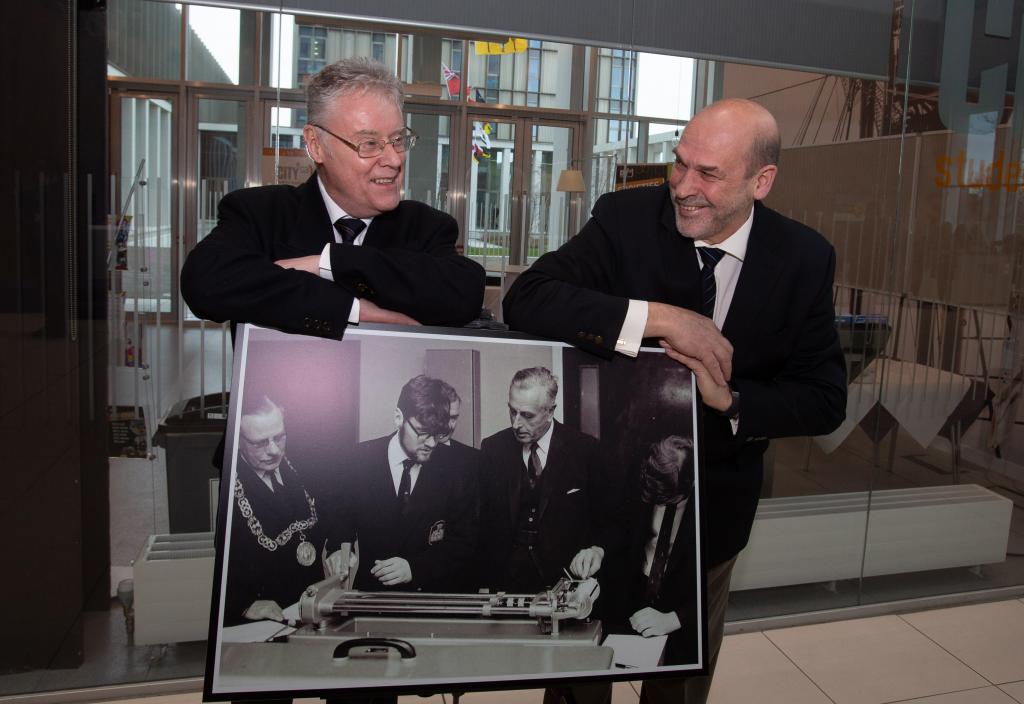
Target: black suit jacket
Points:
(623, 590)
(257, 573)
(406, 263)
(572, 503)
(787, 363)
(465, 455)
(438, 533)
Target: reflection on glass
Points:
(427, 166)
(141, 258)
(221, 157)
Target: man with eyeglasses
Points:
(543, 500)
(278, 543)
(343, 247)
(412, 506)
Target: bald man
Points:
(731, 289)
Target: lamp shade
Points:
(571, 181)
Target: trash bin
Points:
(189, 435)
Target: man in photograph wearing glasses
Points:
(412, 506)
(343, 247)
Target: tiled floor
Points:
(963, 655)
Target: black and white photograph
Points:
(445, 510)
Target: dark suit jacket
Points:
(571, 506)
(787, 363)
(406, 263)
(438, 533)
(255, 572)
(622, 591)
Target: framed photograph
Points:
(430, 510)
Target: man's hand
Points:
(264, 610)
(692, 335)
(587, 561)
(651, 622)
(343, 563)
(370, 312)
(310, 264)
(392, 571)
(714, 395)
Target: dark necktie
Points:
(661, 550)
(710, 257)
(535, 468)
(349, 229)
(405, 485)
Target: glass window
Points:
(219, 45)
(297, 49)
(143, 39)
(520, 72)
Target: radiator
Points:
(173, 579)
(803, 539)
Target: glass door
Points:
(515, 210)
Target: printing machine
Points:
(349, 638)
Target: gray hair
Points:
(764, 150)
(348, 76)
(260, 405)
(537, 376)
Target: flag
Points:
(514, 45)
(452, 80)
(482, 140)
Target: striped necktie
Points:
(710, 257)
(349, 229)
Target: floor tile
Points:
(987, 637)
(983, 695)
(751, 669)
(1015, 690)
(873, 660)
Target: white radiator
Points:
(802, 539)
(173, 580)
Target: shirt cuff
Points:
(632, 332)
(353, 314)
(325, 263)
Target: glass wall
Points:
(912, 176)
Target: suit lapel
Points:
(758, 276)
(552, 480)
(313, 228)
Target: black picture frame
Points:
(336, 398)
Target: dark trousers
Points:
(694, 690)
(680, 690)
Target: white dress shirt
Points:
(543, 443)
(335, 211)
(396, 458)
(727, 273)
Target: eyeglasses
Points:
(421, 435)
(264, 444)
(404, 140)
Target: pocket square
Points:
(573, 491)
